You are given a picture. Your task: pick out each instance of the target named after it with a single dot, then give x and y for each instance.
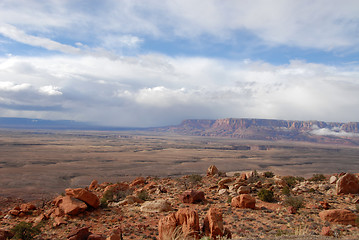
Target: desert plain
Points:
(39, 163)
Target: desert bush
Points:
(317, 177)
(294, 201)
(266, 195)
(290, 181)
(286, 191)
(25, 231)
(143, 195)
(194, 178)
(268, 174)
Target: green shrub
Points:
(296, 202)
(268, 174)
(266, 195)
(290, 181)
(194, 178)
(25, 231)
(317, 178)
(143, 195)
(286, 191)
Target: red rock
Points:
(244, 190)
(324, 204)
(117, 187)
(292, 210)
(166, 226)
(212, 170)
(5, 234)
(115, 235)
(188, 219)
(58, 221)
(192, 196)
(96, 237)
(84, 195)
(326, 231)
(348, 183)
(14, 212)
(72, 206)
(79, 234)
(26, 207)
(213, 223)
(93, 185)
(138, 181)
(243, 177)
(341, 216)
(244, 201)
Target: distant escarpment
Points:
(268, 129)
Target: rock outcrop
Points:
(340, 216)
(348, 183)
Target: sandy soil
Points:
(38, 163)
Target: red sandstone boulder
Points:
(348, 183)
(26, 207)
(244, 201)
(115, 235)
(93, 185)
(79, 234)
(188, 219)
(192, 196)
(167, 226)
(84, 195)
(138, 181)
(213, 223)
(326, 231)
(340, 216)
(72, 206)
(212, 170)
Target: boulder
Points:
(244, 201)
(79, 234)
(72, 206)
(138, 181)
(167, 226)
(326, 231)
(189, 220)
(333, 179)
(5, 234)
(192, 196)
(84, 195)
(213, 223)
(160, 205)
(95, 237)
(339, 216)
(244, 190)
(212, 170)
(93, 185)
(26, 207)
(115, 235)
(117, 187)
(348, 183)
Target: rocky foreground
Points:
(248, 205)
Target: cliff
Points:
(268, 129)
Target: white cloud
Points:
(50, 90)
(12, 87)
(332, 132)
(156, 90)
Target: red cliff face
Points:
(265, 129)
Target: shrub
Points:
(25, 231)
(194, 178)
(317, 177)
(290, 181)
(268, 174)
(296, 202)
(266, 195)
(143, 195)
(286, 191)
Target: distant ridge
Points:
(268, 129)
(32, 123)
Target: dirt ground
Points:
(34, 164)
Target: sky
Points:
(141, 63)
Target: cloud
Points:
(153, 89)
(332, 132)
(12, 87)
(50, 90)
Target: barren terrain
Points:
(38, 162)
